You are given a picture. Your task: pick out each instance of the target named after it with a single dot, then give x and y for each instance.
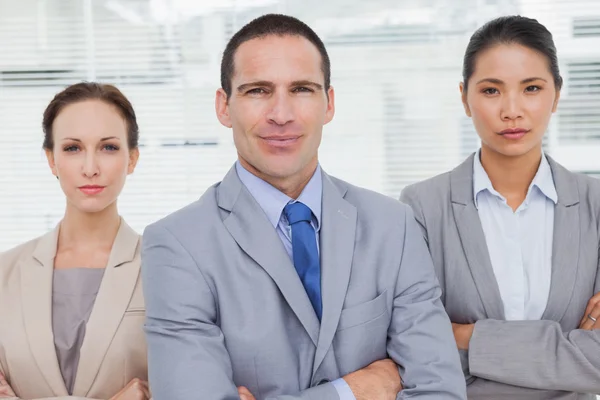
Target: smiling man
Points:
(283, 282)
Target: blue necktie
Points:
(305, 252)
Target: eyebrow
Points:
(500, 82)
(271, 85)
(102, 140)
(304, 82)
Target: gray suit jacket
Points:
(226, 308)
(547, 359)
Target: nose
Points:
(90, 166)
(511, 107)
(281, 110)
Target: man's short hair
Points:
(267, 25)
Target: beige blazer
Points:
(114, 348)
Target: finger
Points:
(596, 315)
(586, 321)
(141, 386)
(146, 389)
(592, 303)
(589, 323)
(244, 390)
(245, 394)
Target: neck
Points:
(79, 229)
(511, 176)
(292, 186)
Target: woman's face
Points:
(90, 155)
(510, 97)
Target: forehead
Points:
(89, 118)
(506, 61)
(275, 57)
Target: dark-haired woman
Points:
(514, 235)
(71, 304)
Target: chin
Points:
(514, 149)
(91, 206)
(277, 168)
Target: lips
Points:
(280, 141)
(91, 190)
(514, 133)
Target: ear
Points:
(51, 162)
(134, 155)
(222, 108)
(330, 112)
(463, 97)
(556, 98)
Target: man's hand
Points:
(378, 381)
(462, 335)
(5, 389)
(245, 394)
(592, 310)
(135, 390)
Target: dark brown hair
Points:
(267, 25)
(512, 29)
(90, 91)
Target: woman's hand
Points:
(137, 389)
(462, 335)
(5, 389)
(591, 314)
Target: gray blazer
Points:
(225, 306)
(547, 359)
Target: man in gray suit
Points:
(283, 282)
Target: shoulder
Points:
(370, 204)
(589, 192)
(435, 188)
(11, 258)
(587, 188)
(188, 219)
(435, 192)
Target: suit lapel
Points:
(36, 297)
(250, 228)
(473, 241)
(114, 295)
(337, 250)
(565, 246)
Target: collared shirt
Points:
(272, 201)
(520, 242)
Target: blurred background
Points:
(396, 66)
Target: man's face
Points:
(277, 107)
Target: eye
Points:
(71, 148)
(110, 147)
(533, 88)
(256, 91)
(302, 89)
(490, 91)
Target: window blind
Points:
(396, 66)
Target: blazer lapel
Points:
(114, 295)
(565, 246)
(252, 231)
(337, 250)
(36, 297)
(472, 238)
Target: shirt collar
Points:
(272, 201)
(543, 180)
